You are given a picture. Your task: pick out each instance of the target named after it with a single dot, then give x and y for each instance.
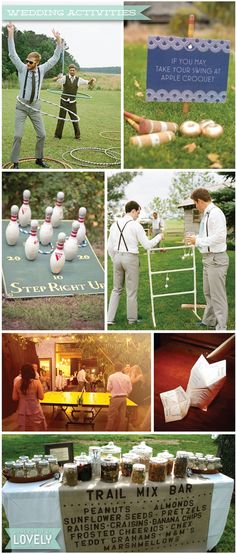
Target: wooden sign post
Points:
(191, 24)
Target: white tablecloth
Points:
(34, 506)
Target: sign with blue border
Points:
(187, 69)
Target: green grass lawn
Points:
(99, 114)
(14, 445)
(169, 314)
(172, 155)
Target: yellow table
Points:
(79, 401)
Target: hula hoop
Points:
(88, 162)
(78, 95)
(106, 135)
(48, 114)
(65, 165)
(109, 152)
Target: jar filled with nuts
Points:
(144, 453)
(30, 470)
(157, 469)
(110, 469)
(19, 470)
(70, 475)
(180, 465)
(84, 467)
(9, 468)
(44, 468)
(138, 474)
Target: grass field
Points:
(169, 314)
(14, 445)
(100, 114)
(172, 155)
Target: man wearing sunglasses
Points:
(30, 75)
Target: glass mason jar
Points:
(19, 469)
(95, 454)
(9, 468)
(84, 467)
(218, 463)
(180, 465)
(170, 460)
(144, 453)
(127, 462)
(30, 470)
(110, 469)
(157, 469)
(53, 465)
(70, 475)
(138, 474)
(23, 459)
(202, 465)
(44, 468)
(192, 462)
(36, 459)
(112, 449)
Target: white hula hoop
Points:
(48, 114)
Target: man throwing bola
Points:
(30, 75)
(211, 241)
(71, 83)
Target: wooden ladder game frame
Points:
(166, 271)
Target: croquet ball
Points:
(213, 130)
(166, 286)
(204, 122)
(190, 129)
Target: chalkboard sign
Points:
(187, 69)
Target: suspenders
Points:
(25, 83)
(122, 236)
(208, 213)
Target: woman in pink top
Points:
(28, 391)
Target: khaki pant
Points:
(117, 420)
(125, 270)
(215, 268)
(22, 112)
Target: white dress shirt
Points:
(133, 234)
(60, 382)
(81, 376)
(61, 80)
(157, 224)
(213, 231)
(119, 384)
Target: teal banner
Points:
(33, 538)
(73, 13)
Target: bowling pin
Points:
(32, 243)
(25, 211)
(71, 245)
(82, 229)
(57, 260)
(46, 229)
(12, 230)
(57, 214)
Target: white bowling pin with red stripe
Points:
(57, 260)
(71, 245)
(12, 230)
(25, 211)
(46, 229)
(32, 243)
(82, 229)
(57, 214)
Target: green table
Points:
(30, 279)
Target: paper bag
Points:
(205, 382)
(175, 403)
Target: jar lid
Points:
(30, 465)
(158, 460)
(166, 454)
(38, 456)
(82, 459)
(43, 462)
(19, 465)
(142, 447)
(139, 467)
(109, 460)
(199, 454)
(94, 449)
(9, 463)
(70, 466)
(180, 454)
(23, 458)
(111, 448)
